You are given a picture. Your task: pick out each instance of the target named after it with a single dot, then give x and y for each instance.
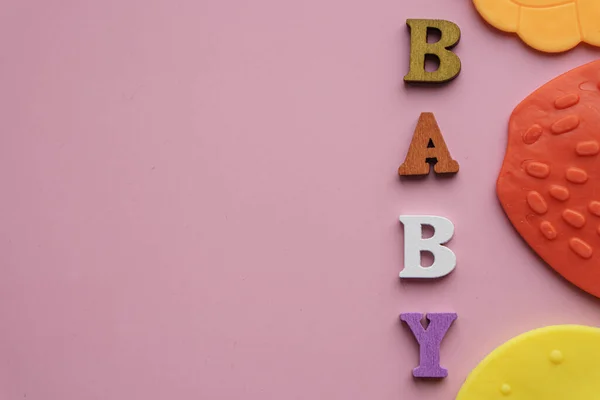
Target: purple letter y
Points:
(429, 342)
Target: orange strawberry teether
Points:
(549, 184)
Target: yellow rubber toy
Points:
(553, 363)
(551, 26)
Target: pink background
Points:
(200, 200)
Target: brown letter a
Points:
(427, 144)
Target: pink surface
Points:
(200, 200)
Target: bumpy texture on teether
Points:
(547, 25)
(549, 184)
(552, 363)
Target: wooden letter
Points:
(427, 144)
(419, 48)
(444, 259)
(429, 341)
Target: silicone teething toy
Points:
(552, 363)
(547, 25)
(549, 184)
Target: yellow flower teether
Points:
(553, 363)
(551, 26)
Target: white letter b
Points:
(444, 258)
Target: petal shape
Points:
(550, 29)
(542, 3)
(501, 14)
(551, 26)
(589, 18)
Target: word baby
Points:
(428, 147)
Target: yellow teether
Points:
(553, 363)
(551, 26)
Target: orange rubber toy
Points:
(549, 184)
